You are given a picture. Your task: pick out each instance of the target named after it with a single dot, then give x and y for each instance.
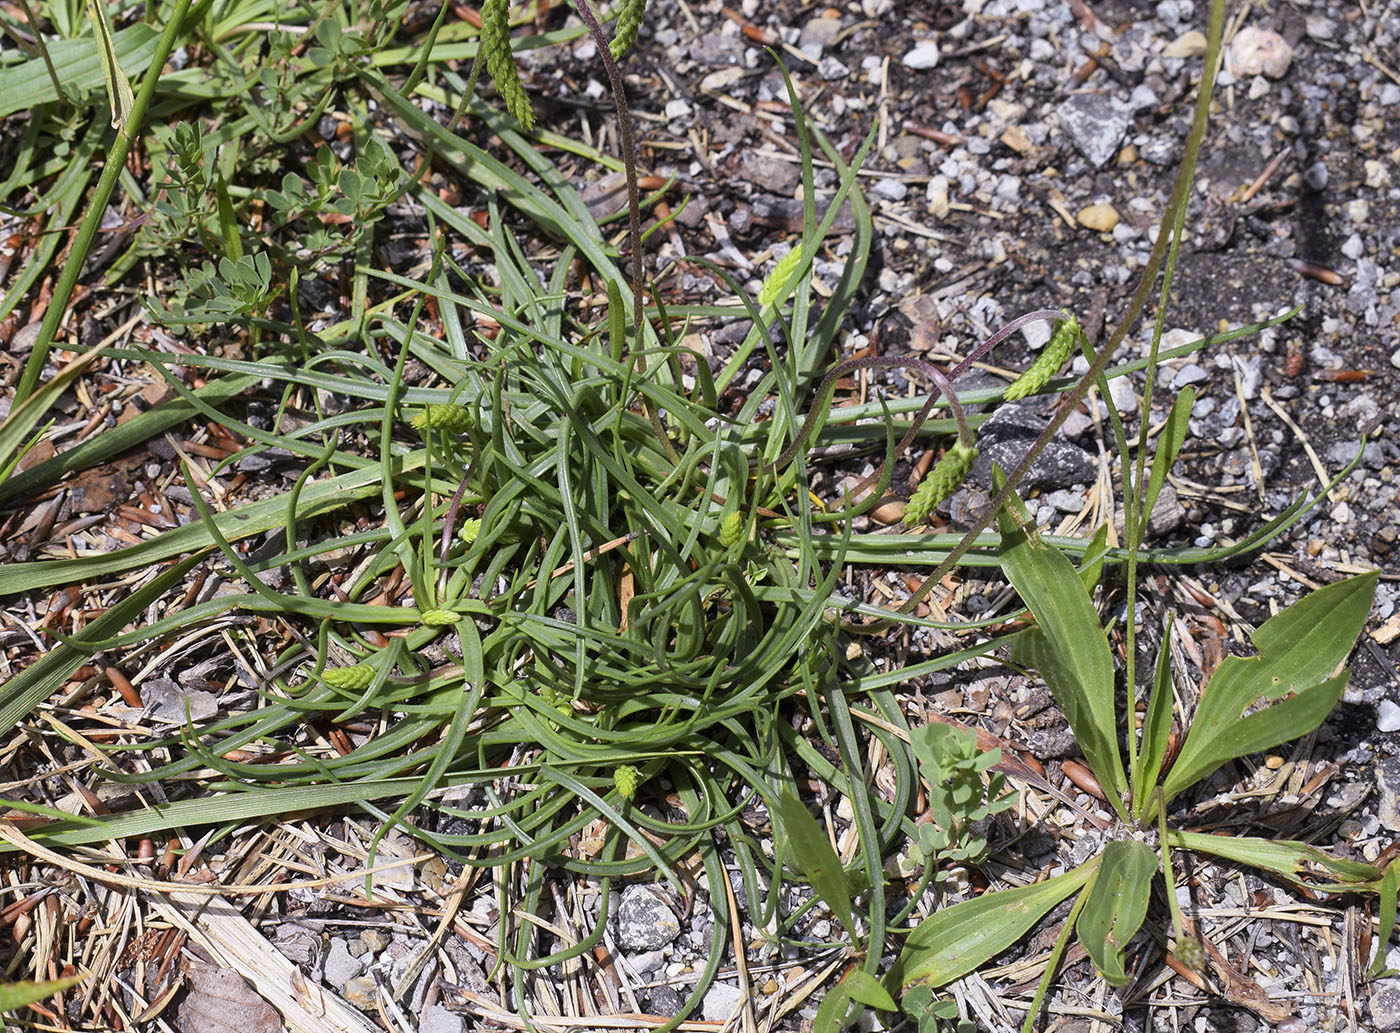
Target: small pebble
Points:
(925, 55)
(1257, 51)
(1188, 374)
(1188, 44)
(1100, 217)
(891, 189)
(1388, 716)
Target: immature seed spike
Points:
(500, 62)
(1191, 953)
(629, 20)
(439, 618)
(360, 676)
(1048, 362)
(778, 278)
(626, 778)
(731, 529)
(451, 419)
(471, 527)
(941, 482)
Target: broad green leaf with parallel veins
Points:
(1298, 649)
(79, 67)
(956, 940)
(811, 851)
(1116, 905)
(1068, 648)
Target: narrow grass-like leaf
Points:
(1300, 863)
(42, 678)
(1169, 444)
(17, 995)
(955, 940)
(1298, 649)
(1156, 728)
(1069, 649)
(1116, 904)
(118, 439)
(233, 524)
(1385, 916)
(24, 417)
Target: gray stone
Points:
(891, 189)
(1385, 1004)
(167, 701)
(1096, 125)
(438, 1019)
(301, 946)
(362, 993)
(646, 962)
(1388, 716)
(817, 35)
(721, 1002)
(341, 966)
(1388, 791)
(1188, 374)
(665, 1000)
(772, 174)
(1007, 437)
(645, 920)
(1058, 466)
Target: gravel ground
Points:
(1024, 150)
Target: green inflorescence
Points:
(731, 530)
(941, 482)
(452, 419)
(629, 21)
(439, 618)
(626, 778)
(500, 62)
(1048, 362)
(360, 676)
(778, 278)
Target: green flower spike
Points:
(360, 676)
(731, 530)
(629, 20)
(500, 62)
(451, 419)
(778, 278)
(1047, 363)
(439, 618)
(626, 779)
(941, 482)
